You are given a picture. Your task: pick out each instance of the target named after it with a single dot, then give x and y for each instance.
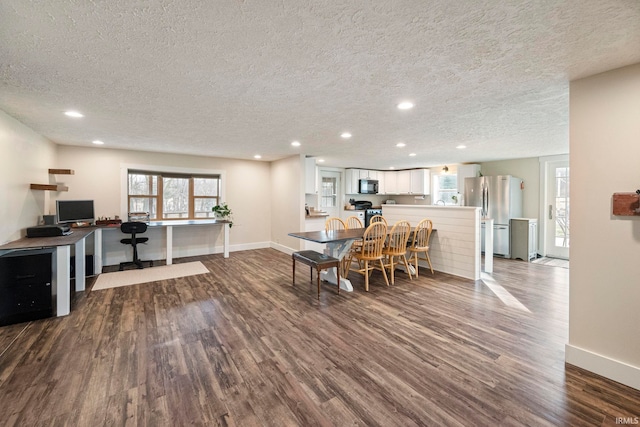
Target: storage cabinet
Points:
(420, 181)
(311, 176)
(351, 177)
(524, 238)
(25, 286)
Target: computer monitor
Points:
(75, 211)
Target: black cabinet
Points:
(25, 285)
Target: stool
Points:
(318, 261)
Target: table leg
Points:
(61, 277)
(169, 245)
(225, 240)
(97, 251)
(80, 265)
(337, 250)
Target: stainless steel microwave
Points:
(368, 186)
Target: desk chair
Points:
(134, 228)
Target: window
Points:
(445, 189)
(173, 196)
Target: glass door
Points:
(557, 210)
(330, 192)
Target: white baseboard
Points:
(598, 364)
(287, 250)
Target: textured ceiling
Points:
(235, 78)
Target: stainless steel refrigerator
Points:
(500, 198)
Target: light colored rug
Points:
(150, 274)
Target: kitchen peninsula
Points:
(455, 246)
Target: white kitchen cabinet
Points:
(390, 182)
(420, 181)
(403, 183)
(368, 174)
(524, 238)
(351, 177)
(311, 176)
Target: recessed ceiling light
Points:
(400, 144)
(345, 135)
(461, 147)
(296, 143)
(320, 160)
(412, 155)
(391, 167)
(98, 142)
(405, 105)
(257, 156)
(74, 114)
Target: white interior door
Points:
(330, 192)
(557, 210)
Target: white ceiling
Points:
(233, 78)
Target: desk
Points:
(61, 262)
(338, 244)
(168, 225)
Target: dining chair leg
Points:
(366, 275)
(318, 271)
(384, 272)
(392, 268)
(415, 260)
(406, 265)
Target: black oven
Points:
(369, 213)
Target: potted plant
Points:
(223, 211)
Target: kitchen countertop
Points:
(317, 215)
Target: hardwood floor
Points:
(241, 347)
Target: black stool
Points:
(134, 228)
(318, 261)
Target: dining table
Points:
(338, 244)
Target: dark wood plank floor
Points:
(240, 346)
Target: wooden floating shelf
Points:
(626, 204)
(61, 172)
(49, 187)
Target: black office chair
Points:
(134, 228)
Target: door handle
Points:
(550, 211)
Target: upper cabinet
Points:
(414, 181)
(310, 175)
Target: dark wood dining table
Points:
(338, 244)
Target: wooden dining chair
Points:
(378, 218)
(334, 223)
(419, 244)
(395, 248)
(370, 252)
(354, 222)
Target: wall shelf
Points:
(61, 172)
(626, 204)
(54, 187)
(49, 187)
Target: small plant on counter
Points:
(455, 199)
(223, 211)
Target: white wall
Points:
(287, 204)
(247, 191)
(25, 158)
(604, 329)
(526, 169)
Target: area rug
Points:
(145, 275)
